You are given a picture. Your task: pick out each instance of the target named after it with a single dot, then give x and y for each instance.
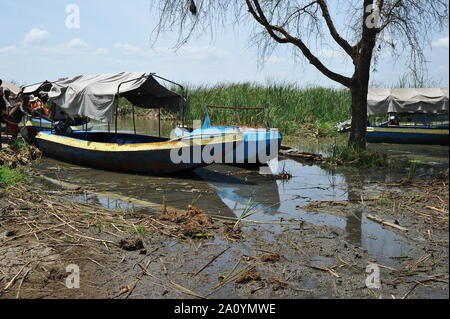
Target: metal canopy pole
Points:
(159, 122)
(118, 96)
(183, 94)
(117, 112)
(134, 121)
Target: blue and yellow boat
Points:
(132, 153)
(96, 97)
(409, 134)
(260, 145)
(416, 116)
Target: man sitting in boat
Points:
(393, 120)
(38, 107)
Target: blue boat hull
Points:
(127, 153)
(437, 135)
(259, 146)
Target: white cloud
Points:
(36, 36)
(78, 43)
(440, 43)
(12, 49)
(127, 48)
(101, 51)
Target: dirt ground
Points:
(125, 254)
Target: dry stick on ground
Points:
(421, 282)
(15, 277)
(21, 282)
(211, 261)
(173, 285)
(32, 233)
(383, 222)
(230, 278)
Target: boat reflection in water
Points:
(239, 191)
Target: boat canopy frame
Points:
(266, 111)
(47, 86)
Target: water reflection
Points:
(310, 183)
(227, 191)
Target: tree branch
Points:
(351, 51)
(285, 37)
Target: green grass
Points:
(350, 156)
(11, 177)
(249, 210)
(141, 231)
(19, 144)
(412, 169)
(294, 110)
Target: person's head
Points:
(32, 98)
(1, 82)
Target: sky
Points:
(36, 44)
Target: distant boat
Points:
(261, 145)
(416, 116)
(96, 97)
(409, 134)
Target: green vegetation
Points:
(11, 177)
(350, 156)
(294, 110)
(19, 144)
(412, 170)
(141, 231)
(310, 112)
(249, 210)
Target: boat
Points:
(46, 125)
(260, 146)
(409, 134)
(416, 116)
(128, 152)
(96, 97)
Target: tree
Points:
(371, 28)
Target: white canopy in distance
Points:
(423, 100)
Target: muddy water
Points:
(228, 191)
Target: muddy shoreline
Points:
(41, 234)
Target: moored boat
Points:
(260, 145)
(96, 97)
(409, 134)
(132, 153)
(416, 116)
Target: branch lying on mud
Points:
(383, 222)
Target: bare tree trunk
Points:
(359, 117)
(360, 83)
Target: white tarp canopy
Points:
(423, 100)
(15, 90)
(96, 96)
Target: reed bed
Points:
(290, 108)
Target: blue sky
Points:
(114, 36)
